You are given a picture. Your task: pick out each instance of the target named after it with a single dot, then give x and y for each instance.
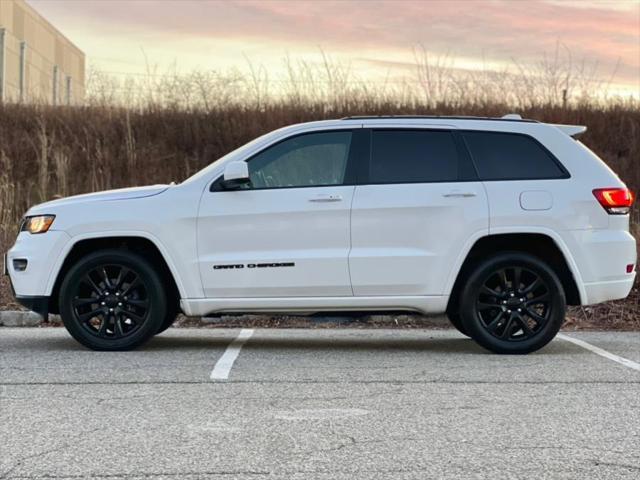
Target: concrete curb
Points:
(11, 318)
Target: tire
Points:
(170, 317)
(456, 321)
(112, 300)
(512, 303)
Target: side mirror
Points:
(235, 175)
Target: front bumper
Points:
(40, 305)
(35, 303)
(32, 286)
(43, 253)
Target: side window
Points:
(413, 156)
(312, 159)
(508, 156)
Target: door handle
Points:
(458, 194)
(326, 198)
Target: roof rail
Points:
(512, 117)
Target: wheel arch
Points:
(542, 245)
(143, 245)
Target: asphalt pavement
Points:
(318, 404)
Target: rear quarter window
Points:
(511, 156)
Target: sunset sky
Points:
(375, 37)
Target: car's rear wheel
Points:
(513, 303)
(112, 300)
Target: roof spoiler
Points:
(571, 130)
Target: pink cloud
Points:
(500, 29)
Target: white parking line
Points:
(603, 353)
(225, 363)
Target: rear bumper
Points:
(605, 291)
(602, 258)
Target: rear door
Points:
(288, 233)
(418, 204)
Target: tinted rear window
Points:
(507, 156)
(413, 156)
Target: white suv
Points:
(500, 223)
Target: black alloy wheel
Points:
(112, 300)
(513, 303)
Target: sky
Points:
(375, 38)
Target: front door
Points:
(287, 234)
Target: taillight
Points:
(616, 201)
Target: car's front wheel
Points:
(170, 317)
(112, 300)
(456, 321)
(513, 303)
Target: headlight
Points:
(37, 224)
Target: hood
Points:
(106, 196)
